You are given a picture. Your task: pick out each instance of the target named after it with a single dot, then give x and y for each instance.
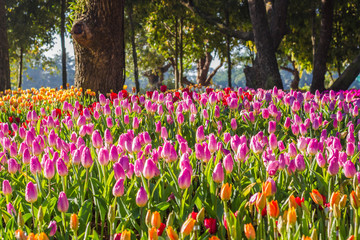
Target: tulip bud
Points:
(260, 201)
(153, 234)
(141, 197)
(53, 228)
(6, 188)
(317, 197)
(218, 174)
(40, 215)
(155, 220)
(249, 231)
(172, 233)
(187, 227)
(354, 200)
(184, 180)
(148, 218)
(273, 209)
(118, 189)
(201, 215)
(336, 211)
(335, 198)
(291, 216)
(31, 194)
(111, 214)
(125, 235)
(342, 202)
(20, 235)
(225, 193)
(20, 220)
(74, 222)
(63, 203)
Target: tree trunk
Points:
(203, 66)
(99, 49)
(176, 67)
(319, 70)
(20, 67)
(63, 49)
(348, 76)
(265, 72)
(4, 50)
(136, 70)
(181, 48)
(156, 76)
(228, 48)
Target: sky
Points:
(57, 47)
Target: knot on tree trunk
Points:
(81, 33)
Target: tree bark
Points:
(98, 35)
(228, 48)
(176, 67)
(181, 53)
(156, 76)
(63, 49)
(265, 72)
(203, 67)
(348, 76)
(4, 50)
(321, 53)
(133, 44)
(20, 73)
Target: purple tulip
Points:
(233, 124)
(31, 194)
(53, 227)
(86, 159)
(96, 139)
(141, 197)
(61, 167)
(49, 169)
(218, 173)
(200, 136)
(228, 163)
(6, 188)
(350, 148)
(149, 169)
(333, 168)
(184, 180)
(272, 127)
(300, 163)
(273, 141)
(320, 160)
(35, 166)
(272, 167)
(63, 203)
(118, 189)
(13, 166)
(349, 169)
(312, 148)
(103, 156)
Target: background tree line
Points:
(169, 40)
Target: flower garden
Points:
(189, 164)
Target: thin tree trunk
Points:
(181, 48)
(319, 70)
(20, 67)
(99, 46)
(265, 72)
(228, 48)
(136, 70)
(63, 49)
(176, 69)
(4, 50)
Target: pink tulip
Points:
(86, 159)
(149, 169)
(200, 136)
(349, 169)
(96, 139)
(31, 194)
(53, 227)
(49, 169)
(103, 156)
(218, 173)
(107, 136)
(141, 197)
(118, 189)
(184, 179)
(13, 166)
(35, 166)
(228, 163)
(63, 203)
(6, 188)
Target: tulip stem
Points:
(33, 214)
(64, 184)
(64, 222)
(49, 183)
(356, 227)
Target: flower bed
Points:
(188, 164)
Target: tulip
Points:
(354, 200)
(334, 199)
(155, 220)
(200, 136)
(61, 167)
(349, 169)
(317, 197)
(153, 234)
(187, 227)
(35, 166)
(13, 166)
(6, 188)
(149, 169)
(86, 159)
(333, 168)
(210, 223)
(103, 156)
(249, 231)
(63, 203)
(53, 227)
(218, 173)
(141, 197)
(233, 124)
(118, 189)
(266, 189)
(125, 235)
(260, 201)
(350, 148)
(291, 216)
(273, 209)
(184, 180)
(300, 163)
(273, 141)
(172, 233)
(31, 194)
(96, 139)
(225, 193)
(74, 222)
(228, 163)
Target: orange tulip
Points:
(352, 237)
(187, 227)
(155, 220)
(273, 209)
(20, 235)
(249, 231)
(343, 201)
(214, 238)
(74, 222)
(260, 201)
(335, 198)
(292, 202)
(225, 193)
(266, 188)
(41, 236)
(305, 238)
(354, 200)
(317, 197)
(31, 236)
(172, 233)
(153, 234)
(125, 235)
(291, 216)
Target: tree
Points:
(4, 50)
(63, 49)
(98, 34)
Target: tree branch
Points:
(212, 74)
(246, 36)
(348, 76)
